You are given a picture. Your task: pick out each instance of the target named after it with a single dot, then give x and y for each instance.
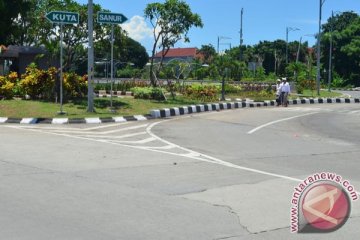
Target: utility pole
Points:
(330, 51)
(318, 50)
(241, 33)
(288, 29)
(90, 57)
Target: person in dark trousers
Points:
(278, 92)
(285, 91)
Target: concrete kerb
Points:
(156, 113)
(93, 120)
(175, 111)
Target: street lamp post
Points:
(90, 57)
(298, 51)
(330, 51)
(218, 41)
(241, 34)
(321, 2)
(288, 29)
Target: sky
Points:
(262, 20)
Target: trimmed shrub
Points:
(148, 93)
(233, 88)
(201, 92)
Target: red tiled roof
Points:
(179, 52)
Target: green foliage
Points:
(346, 46)
(173, 20)
(6, 88)
(41, 84)
(74, 86)
(155, 93)
(38, 83)
(121, 86)
(260, 74)
(233, 88)
(127, 72)
(306, 84)
(208, 52)
(9, 11)
(200, 92)
(337, 81)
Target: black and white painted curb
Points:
(177, 111)
(104, 94)
(74, 120)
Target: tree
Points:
(9, 18)
(171, 22)
(126, 50)
(208, 52)
(346, 46)
(31, 28)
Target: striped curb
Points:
(177, 111)
(105, 94)
(95, 120)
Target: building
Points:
(17, 58)
(182, 54)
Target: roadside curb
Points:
(93, 120)
(177, 111)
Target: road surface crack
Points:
(231, 211)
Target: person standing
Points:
(285, 91)
(278, 92)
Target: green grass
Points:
(77, 109)
(313, 94)
(124, 106)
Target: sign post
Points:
(62, 18)
(111, 18)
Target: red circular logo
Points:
(326, 207)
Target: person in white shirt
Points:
(278, 92)
(285, 91)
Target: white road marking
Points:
(142, 141)
(195, 155)
(162, 147)
(106, 126)
(354, 112)
(102, 133)
(190, 153)
(277, 121)
(52, 127)
(115, 137)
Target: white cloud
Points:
(137, 28)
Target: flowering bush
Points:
(38, 83)
(13, 77)
(6, 88)
(201, 92)
(74, 85)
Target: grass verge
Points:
(123, 106)
(77, 109)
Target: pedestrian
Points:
(278, 92)
(285, 91)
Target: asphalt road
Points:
(220, 175)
